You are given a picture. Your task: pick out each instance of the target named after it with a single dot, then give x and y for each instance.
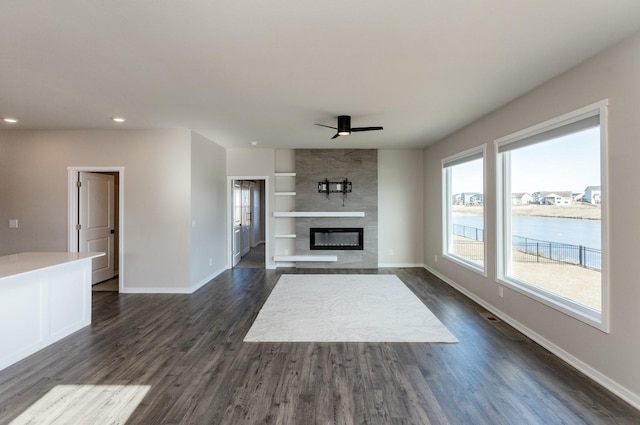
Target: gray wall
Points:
(611, 358)
(359, 166)
(400, 203)
(157, 198)
(208, 210)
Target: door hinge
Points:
(78, 227)
(78, 183)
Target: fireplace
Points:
(339, 238)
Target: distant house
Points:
(476, 199)
(521, 198)
(593, 195)
(553, 198)
(467, 198)
(557, 198)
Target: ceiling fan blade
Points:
(336, 136)
(322, 125)
(365, 129)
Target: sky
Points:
(568, 163)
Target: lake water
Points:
(562, 230)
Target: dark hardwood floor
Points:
(189, 349)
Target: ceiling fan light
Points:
(344, 125)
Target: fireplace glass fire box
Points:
(336, 238)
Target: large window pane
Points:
(464, 217)
(551, 221)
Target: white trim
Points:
(565, 119)
(287, 236)
(571, 308)
(400, 265)
(145, 290)
(284, 174)
(447, 210)
(72, 212)
(207, 279)
(461, 157)
(592, 317)
(318, 214)
(267, 244)
(467, 264)
(285, 193)
(323, 258)
(604, 216)
(602, 379)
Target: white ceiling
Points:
(266, 71)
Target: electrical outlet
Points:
(391, 252)
(13, 223)
(435, 258)
(211, 261)
(501, 291)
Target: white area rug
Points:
(345, 308)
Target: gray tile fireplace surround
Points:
(359, 166)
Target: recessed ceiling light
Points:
(10, 120)
(119, 119)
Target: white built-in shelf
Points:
(285, 174)
(285, 194)
(318, 214)
(325, 258)
(287, 236)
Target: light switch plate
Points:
(13, 223)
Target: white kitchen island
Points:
(44, 296)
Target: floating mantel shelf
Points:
(325, 258)
(285, 194)
(285, 174)
(318, 214)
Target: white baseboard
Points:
(145, 290)
(399, 265)
(192, 289)
(206, 280)
(619, 390)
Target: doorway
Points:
(248, 228)
(95, 217)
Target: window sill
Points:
(566, 306)
(474, 267)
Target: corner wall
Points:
(157, 196)
(609, 358)
(208, 210)
(400, 203)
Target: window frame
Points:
(478, 152)
(592, 317)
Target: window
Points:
(463, 191)
(551, 247)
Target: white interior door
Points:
(255, 215)
(96, 201)
(246, 218)
(237, 222)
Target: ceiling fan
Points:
(344, 127)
